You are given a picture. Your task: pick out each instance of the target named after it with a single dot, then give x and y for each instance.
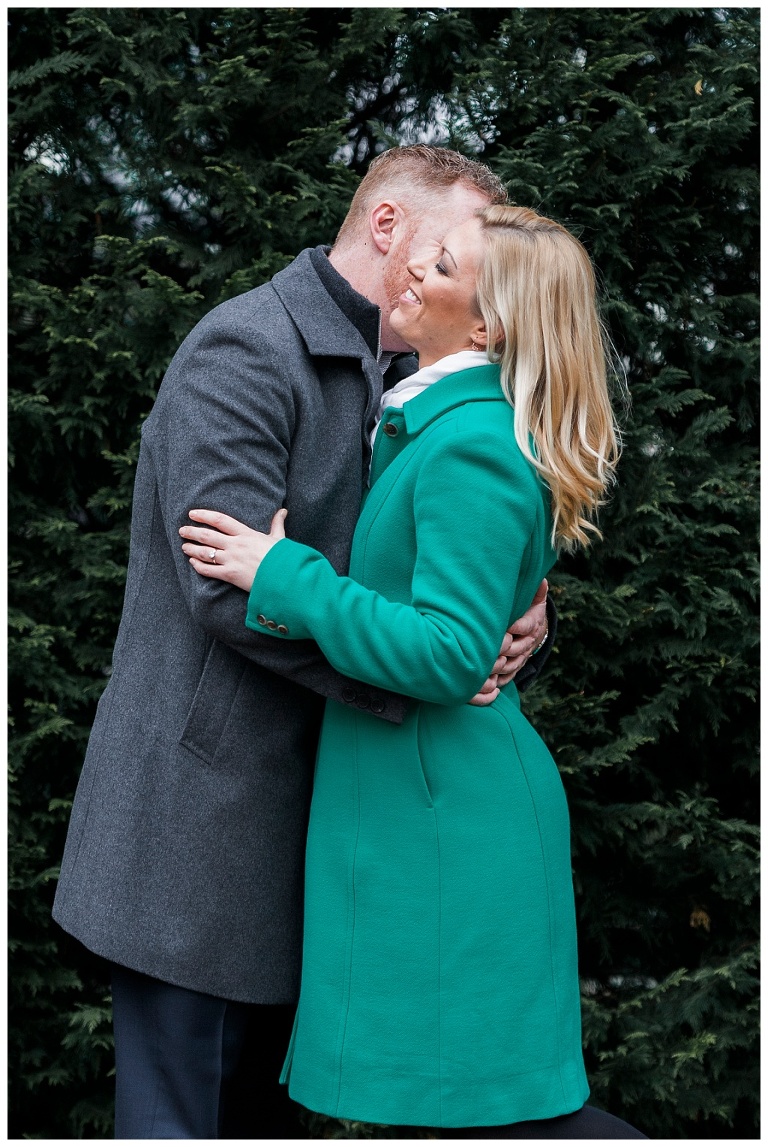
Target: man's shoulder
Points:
(250, 335)
(275, 331)
(293, 309)
(254, 324)
(263, 304)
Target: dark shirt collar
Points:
(361, 312)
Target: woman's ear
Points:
(482, 342)
(384, 220)
(479, 336)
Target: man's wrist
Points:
(541, 644)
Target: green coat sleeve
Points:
(474, 506)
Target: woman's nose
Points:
(415, 267)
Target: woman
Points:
(440, 981)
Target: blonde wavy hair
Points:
(536, 293)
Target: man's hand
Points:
(527, 636)
(520, 642)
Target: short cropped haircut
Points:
(412, 175)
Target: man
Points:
(183, 864)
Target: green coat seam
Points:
(545, 871)
(349, 957)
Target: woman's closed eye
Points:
(441, 268)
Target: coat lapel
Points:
(323, 325)
(478, 384)
(401, 425)
(325, 329)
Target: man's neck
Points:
(357, 268)
(362, 267)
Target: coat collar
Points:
(324, 326)
(364, 315)
(478, 384)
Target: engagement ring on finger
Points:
(213, 556)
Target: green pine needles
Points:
(164, 159)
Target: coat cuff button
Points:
(261, 619)
(282, 629)
(349, 695)
(271, 625)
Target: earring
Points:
(474, 346)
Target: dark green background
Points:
(164, 159)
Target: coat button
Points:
(363, 701)
(282, 629)
(271, 625)
(349, 695)
(390, 429)
(377, 706)
(261, 619)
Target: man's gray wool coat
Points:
(184, 858)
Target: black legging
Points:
(588, 1123)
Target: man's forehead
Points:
(432, 236)
(433, 231)
(434, 226)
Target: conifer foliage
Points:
(163, 159)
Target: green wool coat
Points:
(439, 983)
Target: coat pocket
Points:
(213, 700)
(421, 751)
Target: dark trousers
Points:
(588, 1123)
(192, 1066)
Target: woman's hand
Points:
(229, 551)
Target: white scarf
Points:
(416, 383)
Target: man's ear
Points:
(384, 221)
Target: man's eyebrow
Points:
(450, 256)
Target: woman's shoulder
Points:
(482, 433)
(487, 419)
(491, 415)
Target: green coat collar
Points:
(478, 384)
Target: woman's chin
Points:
(399, 328)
